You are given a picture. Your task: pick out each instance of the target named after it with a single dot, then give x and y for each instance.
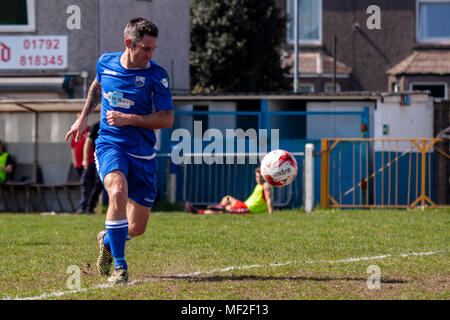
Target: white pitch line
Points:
(197, 273)
(404, 255)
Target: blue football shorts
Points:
(140, 173)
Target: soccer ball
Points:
(279, 168)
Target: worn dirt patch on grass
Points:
(304, 286)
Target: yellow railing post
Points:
(424, 165)
(423, 150)
(325, 173)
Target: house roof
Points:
(314, 63)
(424, 62)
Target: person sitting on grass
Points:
(258, 202)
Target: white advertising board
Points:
(33, 52)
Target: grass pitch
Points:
(291, 255)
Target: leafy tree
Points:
(235, 46)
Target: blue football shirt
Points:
(132, 91)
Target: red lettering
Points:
(60, 60)
(5, 54)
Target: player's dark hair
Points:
(138, 27)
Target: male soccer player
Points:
(259, 201)
(135, 100)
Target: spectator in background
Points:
(91, 169)
(6, 164)
(77, 151)
(86, 178)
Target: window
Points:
(329, 87)
(433, 22)
(437, 90)
(310, 21)
(305, 88)
(17, 16)
(395, 87)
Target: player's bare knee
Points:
(135, 230)
(118, 195)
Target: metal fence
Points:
(367, 173)
(206, 184)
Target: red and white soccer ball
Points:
(279, 168)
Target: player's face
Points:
(259, 178)
(142, 51)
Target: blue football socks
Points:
(117, 232)
(107, 243)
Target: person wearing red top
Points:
(87, 180)
(77, 151)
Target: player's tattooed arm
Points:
(94, 97)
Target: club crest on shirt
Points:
(165, 82)
(140, 81)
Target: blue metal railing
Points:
(206, 184)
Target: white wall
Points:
(332, 126)
(409, 121)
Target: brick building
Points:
(381, 45)
(54, 44)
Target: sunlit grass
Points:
(291, 255)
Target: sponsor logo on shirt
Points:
(116, 99)
(110, 72)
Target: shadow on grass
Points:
(268, 278)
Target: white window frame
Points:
(306, 85)
(431, 83)
(311, 42)
(31, 26)
(419, 39)
(329, 85)
(395, 86)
